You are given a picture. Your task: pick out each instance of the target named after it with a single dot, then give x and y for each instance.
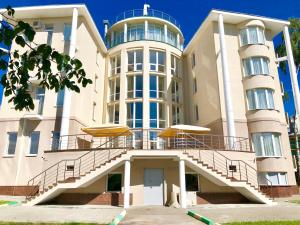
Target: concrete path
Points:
(249, 212)
(59, 214)
(157, 215)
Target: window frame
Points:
(160, 119)
(113, 116)
(262, 67)
(266, 177)
(176, 116)
(175, 68)
(29, 154)
(135, 64)
(246, 29)
(175, 90)
(6, 153)
(134, 92)
(156, 64)
(114, 95)
(115, 65)
(134, 120)
(159, 94)
(256, 99)
(49, 28)
(262, 144)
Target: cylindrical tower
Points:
(144, 77)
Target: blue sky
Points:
(189, 13)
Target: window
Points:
(135, 60)
(157, 86)
(194, 85)
(114, 87)
(113, 113)
(118, 38)
(157, 115)
(196, 112)
(34, 143)
(276, 178)
(60, 98)
(256, 66)
(114, 182)
(12, 142)
(135, 86)
(157, 61)
(67, 32)
(266, 144)
(40, 96)
(261, 98)
(135, 114)
(49, 30)
(175, 91)
(94, 109)
(172, 38)
(115, 63)
(252, 35)
(175, 114)
(136, 32)
(193, 60)
(175, 65)
(191, 182)
(156, 32)
(55, 140)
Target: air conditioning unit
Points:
(37, 24)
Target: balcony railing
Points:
(151, 13)
(147, 139)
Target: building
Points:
(225, 79)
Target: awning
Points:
(110, 130)
(176, 129)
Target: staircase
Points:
(75, 173)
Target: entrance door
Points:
(153, 187)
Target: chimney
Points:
(145, 12)
(106, 24)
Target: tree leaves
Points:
(53, 70)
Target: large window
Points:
(156, 32)
(266, 144)
(115, 63)
(157, 115)
(252, 35)
(136, 32)
(157, 61)
(135, 60)
(11, 143)
(49, 30)
(40, 96)
(114, 86)
(157, 86)
(135, 114)
(175, 114)
(172, 38)
(175, 66)
(113, 113)
(118, 37)
(175, 91)
(274, 178)
(135, 86)
(256, 66)
(191, 182)
(34, 143)
(114, 182)
(261, 98)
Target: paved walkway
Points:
(60, 214)
(249, 212)
(157, 215)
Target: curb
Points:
(118, 218)
(201, 218)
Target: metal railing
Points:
(151, 13)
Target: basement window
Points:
(191, 182)
(114, 182)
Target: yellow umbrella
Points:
(174, 130)
(109, 130)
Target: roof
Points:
(275, 25)
(54, 11)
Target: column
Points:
(293, 72)
(125, 32)
(146, 29)
(65, 122)
(123, 88)
(146, 87)
(166, 32)
(178, 41)
(182, 184)
(226, 83)
(127, 184)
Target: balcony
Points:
(151, 13)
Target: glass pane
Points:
(67, 32)
(262, 99)
(257, 144)
(282, 178)
(116, 114)
(247, 66)
(139, 110)
(114, 182)
(117, 92)
(257, 67)
(130, 87)
(251, 99)
(273, 177)
(12, 142)
(191, 182)
(111, 114)
(152, 57)
(268, 144)
(34, 143)
(153, 86)
(55, 140)
(253, 35)
(244, 39)
(265, 66)
(139, 86)
(139, 56)
(277, 145)
(270, 99)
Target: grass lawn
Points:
(13, 223)
(3, 202)
(296, 222)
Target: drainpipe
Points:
(65, 121)
(226, 84)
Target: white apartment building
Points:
(163, 122)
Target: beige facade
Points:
(144, 79)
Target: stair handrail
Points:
(80, 157)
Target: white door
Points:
(153, 187)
